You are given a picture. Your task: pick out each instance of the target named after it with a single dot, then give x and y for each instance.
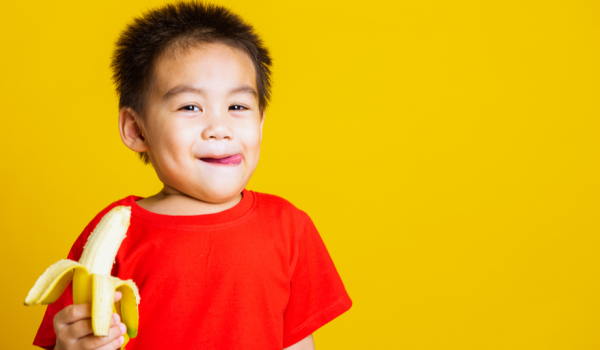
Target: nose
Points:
(217, 129)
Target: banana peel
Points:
(92, 282)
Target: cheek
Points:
(251, 140)
(175, 140)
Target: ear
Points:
(262, 122)
(131, 130)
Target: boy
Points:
(218, 267)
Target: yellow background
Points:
(448, 152)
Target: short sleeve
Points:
(45, 337)
(317, 294)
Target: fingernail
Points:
(121, 340)
(123, 328)
(116, 318)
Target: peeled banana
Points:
(92, 282)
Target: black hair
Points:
(176, 27)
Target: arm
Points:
(304, 344)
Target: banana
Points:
(92, 282)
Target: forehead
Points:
(214, 67)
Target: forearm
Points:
(304, 344)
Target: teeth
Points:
(92, 281)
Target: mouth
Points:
(231, 160)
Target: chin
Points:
(218, 195)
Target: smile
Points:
(231, 160)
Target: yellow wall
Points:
(447, 151)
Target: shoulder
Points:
(273, 200)
(127, 201)
(280, 207)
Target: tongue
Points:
(236, 159)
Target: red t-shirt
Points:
(256, 276)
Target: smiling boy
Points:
(218, 266)
(203, 136)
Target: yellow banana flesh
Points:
(92, 282)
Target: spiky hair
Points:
(176, 27)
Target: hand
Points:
(73, 328)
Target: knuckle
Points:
(87, 344)
(55, 325)
(60, 332)
(96, 342)
(71, 311)
(65, 345)
(113, 335)
(59, 317)
(77, 328)
(116, 344)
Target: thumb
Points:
(118, 296)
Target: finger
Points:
(118, 296)
(79, 329)
(113, 341)
(115, 344)
(115, 319)
(84, 328)
(73, 313)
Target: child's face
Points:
(202, 123)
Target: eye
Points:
(237, 108)
(191, 108)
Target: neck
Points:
(172, 202)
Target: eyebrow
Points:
(179, 89)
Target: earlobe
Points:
(131, 130)
(262, 122)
